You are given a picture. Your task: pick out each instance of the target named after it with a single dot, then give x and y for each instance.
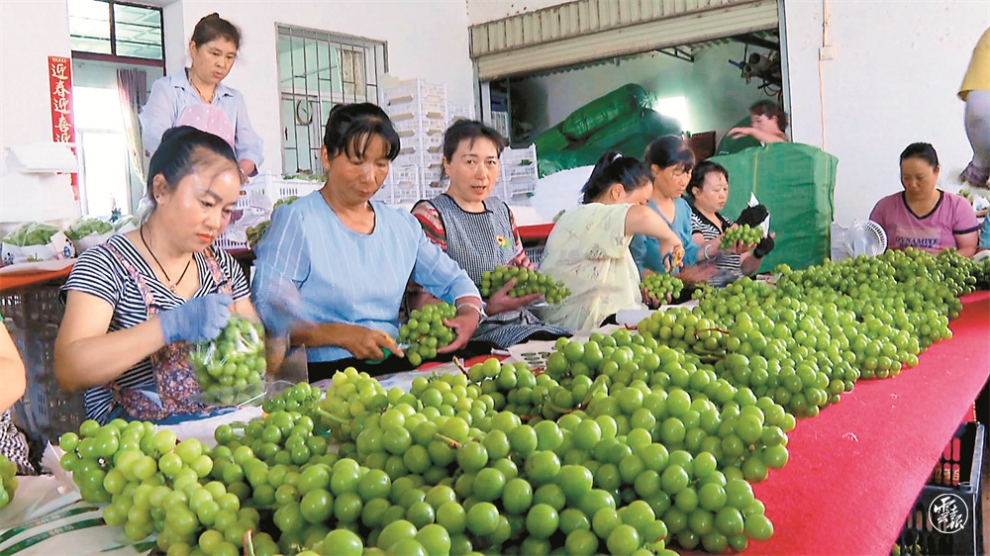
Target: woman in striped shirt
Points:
(135, 304)
(709, 190)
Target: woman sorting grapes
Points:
(923, 216)
(480, 233)
(709, 190)
(588, 248)
(346, 260)
(135, 304)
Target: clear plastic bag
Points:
(231, 369)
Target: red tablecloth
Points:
(856, 469)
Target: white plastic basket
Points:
(433, 184)
(519, 157)
(459, 112)
(418, 127)
(405, 183)
(433, 110)
(416, 89)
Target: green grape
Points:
(230, 369)
(527, 282)
(743, 234)
(425, 332)
(662, 285)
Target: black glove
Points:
(764, 247)
(752, 216)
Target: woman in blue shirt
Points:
(196, 97)
(346, 259)
(671, 161)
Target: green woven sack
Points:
(600, 112)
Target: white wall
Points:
(717, 96)
(30, 32)
(893, 81)
(422, 43)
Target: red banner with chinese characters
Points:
(63, 128)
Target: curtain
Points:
(132, 85)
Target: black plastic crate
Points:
(947, 516)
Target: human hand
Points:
(738, 132)
(281, 307)
(697, 274)
(752, 216)
(200, 319)
(653, 301)
(464, 325)
(247, 169)
(364, 343)
(501, 302)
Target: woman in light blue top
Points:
(671, 161)
(196, 97)
(349, 259)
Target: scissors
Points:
(673, 259)
(387, 351)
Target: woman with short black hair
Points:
(480, 233)
(349, 258)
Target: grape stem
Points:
(453, 443)
(330, 416)
(460, 365)
(248, 543)
(712, 329)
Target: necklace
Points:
(201, 95)
(171, 286)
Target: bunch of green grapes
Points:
(744, 234)
(528, 282)
(231, 368)
(302, 398)
(8, 481)
(425, 332)
(981, 274)
(660, 285)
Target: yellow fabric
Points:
(978, 75)
(588, 250)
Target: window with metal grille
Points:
(108, 28)
(318, 70)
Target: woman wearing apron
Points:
(196, 97)
(480, 233)
(135, 305)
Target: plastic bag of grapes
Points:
(231, 369)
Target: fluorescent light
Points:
(676, 108)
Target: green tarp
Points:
(796, 183)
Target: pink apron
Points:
(210, 119)
(176, 383)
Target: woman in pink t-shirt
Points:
(922, 216)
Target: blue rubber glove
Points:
(281, 307)
(200, 319)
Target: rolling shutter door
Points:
(588, 30)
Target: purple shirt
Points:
(931, 232)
